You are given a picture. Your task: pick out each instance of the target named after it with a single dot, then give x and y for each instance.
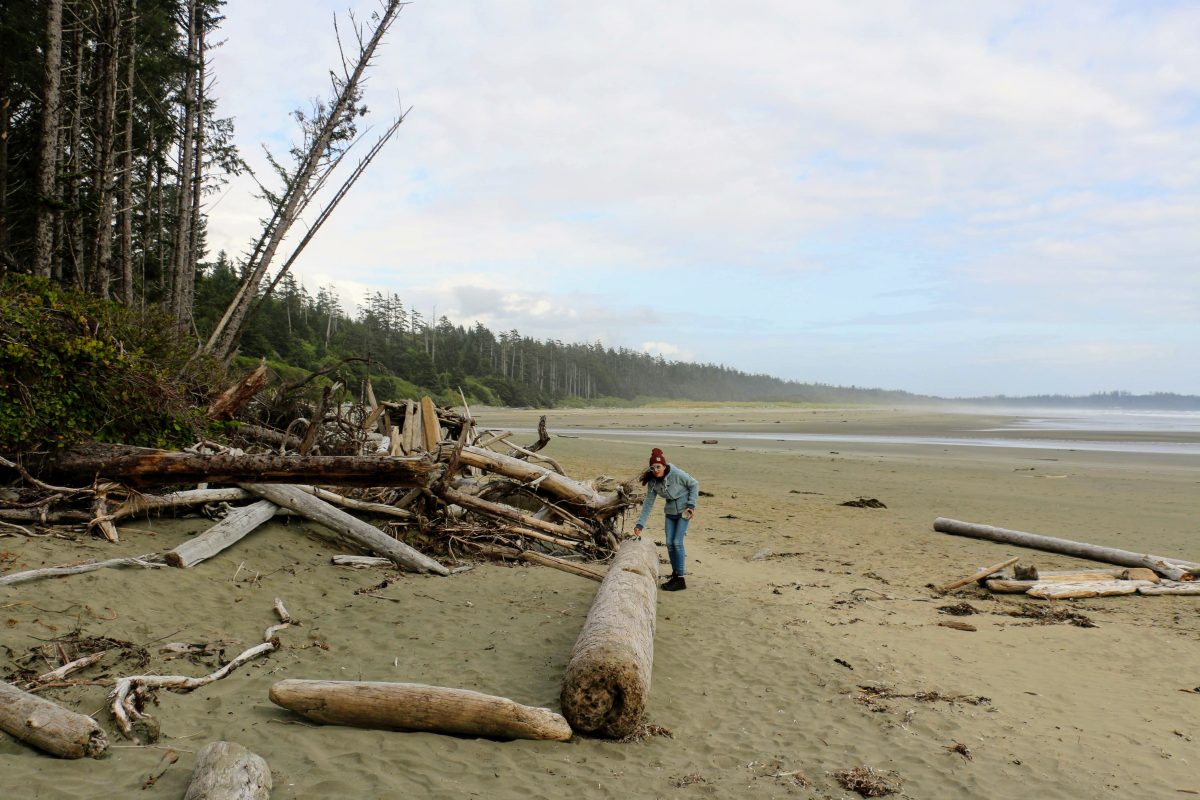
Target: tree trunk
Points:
(1167, 567)
(74, 226)
(107, 45)
(416, 707)
(366, 535)
(47, 192)
(197, 171)
(228, 771)
(607, 683)
(137, 466)
(48, 726)
(181, 265)
(125, 198)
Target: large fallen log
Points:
(363, 533)
(416, 707)
(607, 682)
(136, 466)
(1171, 568)
(48, 726)
(228, 771)
(549, 481)
(236, 526)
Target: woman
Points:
(680, 491)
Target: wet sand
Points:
(758, 665)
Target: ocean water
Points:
(1115, 421)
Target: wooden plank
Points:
(429, 424)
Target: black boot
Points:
(675, 584)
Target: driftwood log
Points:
(236, 526)
(548, 481)
(978, 576)
(232, 399)
(363, 533)
(607, 683)
(48, 726)
(228, 771)
(416, 707)
(1171, 568)
(1082, 589)
(138, 466)
(148, 561)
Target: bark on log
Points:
(228, 771)
(571, 491)
(48, 726)
(416, 707)
(352, 528)
(1167, 567)
(141, 466)
(226, 533)
(607, 683)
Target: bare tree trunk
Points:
(197, 179)
(298, 190)
(126, 194)
(74, 170)
(43, 235)
(107, 45)
(182, 265)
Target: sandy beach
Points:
(771, 674)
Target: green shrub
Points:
(73, 368)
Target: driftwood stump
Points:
(416, 707)
(607, 684)
(228, 771)
(48, 726)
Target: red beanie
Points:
(657, 457)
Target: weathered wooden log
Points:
(141, 466)
(269, 435)
(236, 526)
(549, 481)
(1006, 586)
(335, 519)
(228, 771)
(505, 512)
(607, 683)
(978, 576)
(148, 561)
(416, 707)
(360, 562)
(1171, 568)
(138, 503)
(542, 559)
(1121, 574)
(236, 396)
(1185, 588)
(1065, 591)
(48, 726)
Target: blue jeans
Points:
(676, 528)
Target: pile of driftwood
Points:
(442, 489)
(1136, 573)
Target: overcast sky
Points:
(955, 198)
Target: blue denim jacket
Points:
(680, 490)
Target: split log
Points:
(364, 534)
(148, 561)
(142, 466)
(416, 707)
(236, 396)
(48, 726)
(978, 576)
(228, 771)
(607, 682)
(1066, 591)
(600, 505)
(430, 428)
(542, 559)
(1170, 568)
(226, 533)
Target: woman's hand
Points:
(688, 513)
